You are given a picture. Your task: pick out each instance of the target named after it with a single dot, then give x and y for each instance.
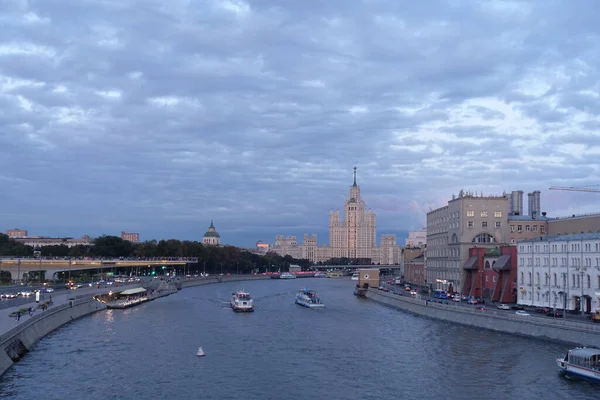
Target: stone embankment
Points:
(17, 341)
(555, 329)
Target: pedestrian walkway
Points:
(7, 322)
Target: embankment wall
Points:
(556, 329)
(17, 342)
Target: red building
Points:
(130, 236)
(414, 271)
(492, 274)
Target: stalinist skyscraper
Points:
(355, 236)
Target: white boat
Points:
(242, 301)
(200, 352)
(309, 298)
(320, 275)
(581, 362)
(355, 276)
(287, 275)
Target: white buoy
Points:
(200, 352)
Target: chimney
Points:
(544, 213)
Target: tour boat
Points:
(287, 275)
(309, 298)
(355, 276)
(200, 352)
(242, 301)
(581, 362)
(320, 275)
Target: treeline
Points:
(212, 259)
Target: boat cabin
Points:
(242, 295)
(584, 357)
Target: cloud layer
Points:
(154, 117)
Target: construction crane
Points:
(575, 189)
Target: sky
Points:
(157, 117)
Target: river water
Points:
(352, 349)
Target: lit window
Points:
(470, 213)
(484, 214)
(498, 214)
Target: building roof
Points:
(212, 232)
(133, 291)
(585, 352)
(554, 238)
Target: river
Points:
(352, 349)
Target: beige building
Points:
(467, 221)
(17, 233)
(416, 238)
(588, 223)
(38, 241)
(354, 237)
(130, 237)
(523, 227)
(211, 237)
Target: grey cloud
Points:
(265, 114)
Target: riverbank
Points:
(575, 333)
(17, 337)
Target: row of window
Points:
(484, 214)
(484, 224)
(575, 280)
(559, 247)
(528, 228)
(575, 261)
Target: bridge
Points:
(19, 267)
(355, 267)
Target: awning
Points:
(502, 264)
(132, 291)
(471, 263)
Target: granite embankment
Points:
(18, 337)
(579, 333)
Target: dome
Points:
(212, 232)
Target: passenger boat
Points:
(309, 298)
(242, 301)
(287, 275)
(355, 276)
(581, 362)
(320, 275)
(333, 274)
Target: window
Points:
(498, 224)
(542, 229)
(484, 214)
(534, 228)
(519, 228)
(470, 224)
(555, 282)
(512, 228)
(589, 282)
(484, 238)
(537, 278)
(523, 279)
(484, 224)
(527, 228)
(470, 213)
(498, 214)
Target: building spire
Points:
(354, 177)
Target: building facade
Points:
(523, 227)
(414, 270)
(39, 241)
(560, 271)
(17, 233)
(130, 237)
(353, 237)
(211, 237)
(491, 273)
(467, 220)
(416, 238)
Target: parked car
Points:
(456, 299)
(482, 308)
(515, 307)
(556, 314)
(503, 307)
(521, 313)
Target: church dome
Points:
(212, 232)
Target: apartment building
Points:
(130, 237)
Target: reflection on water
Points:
(352, 349)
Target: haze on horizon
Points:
(158, 119)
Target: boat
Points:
(320, 275)
(581, 362)
(333, 274)
(135, 296)
(287, 275)
(200, 352)
(355, 276)
(309, 298)
(242, 301)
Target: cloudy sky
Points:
(156, 117)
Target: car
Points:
(503, 307)
(482, 308)
(556, 314)
(518, 308)
(380, 287)
(456, 299)
(473, 301)
(413, 292)
(521, 313)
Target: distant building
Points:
(416, 238)
(130, 237)
(38, 241)
(354, 237)
(262, 247)
(17, 233)
(414, 270)
(211, 237)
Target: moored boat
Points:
(309, 298)
(287, 275)
(320, 274)
(241, 301)
(355, 276)
(582, 363)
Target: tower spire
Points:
(354, 177)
